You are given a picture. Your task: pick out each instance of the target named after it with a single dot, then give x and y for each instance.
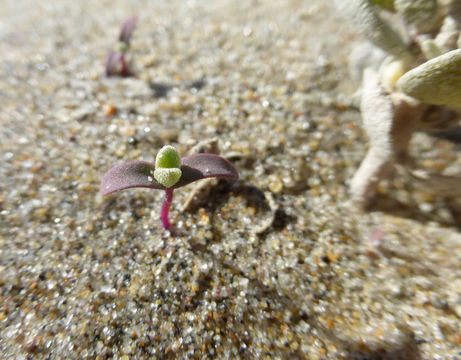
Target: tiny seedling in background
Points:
(168, 173)
(116, 63)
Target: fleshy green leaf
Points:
(385, 4)
(364, 16)
(437, 81)
(420, 13)
(167, 176)
(168, 157)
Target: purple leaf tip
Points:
(126, 31)
(201, 166)
(129, 175)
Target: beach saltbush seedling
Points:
(168, 173)
(116, 63)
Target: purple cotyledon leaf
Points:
(141, 173)
(201, 166)
(128, 175)
(126, 31)
(116, 64)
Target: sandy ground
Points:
(277, 265)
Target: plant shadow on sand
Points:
(411, 210)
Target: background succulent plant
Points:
(437, 81)
(416, 87)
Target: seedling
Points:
(168, 173)
(116, 63)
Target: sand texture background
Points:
(277, 265)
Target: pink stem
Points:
(166, 207)
(124, 70)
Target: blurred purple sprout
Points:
(116, 63)
(127, 28)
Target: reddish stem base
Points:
(166, 207)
